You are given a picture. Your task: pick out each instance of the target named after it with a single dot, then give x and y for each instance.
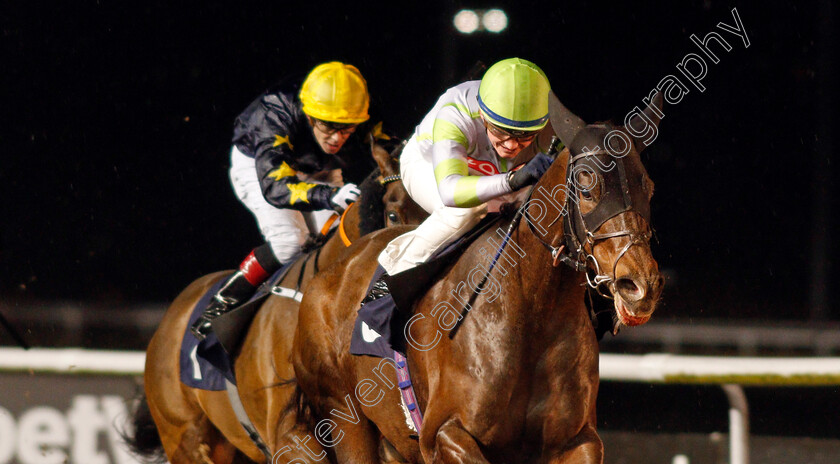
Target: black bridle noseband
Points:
(619, 193)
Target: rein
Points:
(576, 230)
(514, 223)
(341, 231)
(327, 225)
(511, 227)
(388, 179)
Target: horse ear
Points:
(565, 123)
(383, 159)
(653, 111)
(648, 119)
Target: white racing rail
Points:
(72, 361)
(729, 372)
(680, 369)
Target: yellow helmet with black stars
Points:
(336, 92)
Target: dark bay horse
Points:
(198, 426)
(518, 381)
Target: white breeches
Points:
(444, 225)
(284, 229)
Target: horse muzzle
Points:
(635, 297)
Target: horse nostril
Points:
(628, 290)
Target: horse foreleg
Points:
(359, 445)
(586, 447)
(453, 444)
(388, 454)
(201, 443)
(344, 431)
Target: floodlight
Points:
(494, 20)
(466, 21)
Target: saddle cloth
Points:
(379, 324)
(196, 371)
(205, 365)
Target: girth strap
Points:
(242, 417)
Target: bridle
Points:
(578, 239)
(385, 180)
(618, 195)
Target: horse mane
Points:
(299, 405)
(371, 218)
(371, 209)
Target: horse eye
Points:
(586, 184)
(392, 216)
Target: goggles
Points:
(521, 137)
(330, 128)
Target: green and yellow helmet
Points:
(336, 92)
(514, 95)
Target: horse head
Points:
(606, 220)
(399, 208)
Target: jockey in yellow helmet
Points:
(298, 152)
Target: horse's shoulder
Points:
(383, 236)
(395, 231)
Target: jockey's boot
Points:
(238, 288)
(378, 290)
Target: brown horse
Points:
(198, 426)
(518, 381)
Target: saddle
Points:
(206, 364)
(379, 324)
(232, 327)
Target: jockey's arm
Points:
(452, 140)
(280, 184)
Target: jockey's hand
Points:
(530, 173)
(342, 197)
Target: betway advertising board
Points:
(66, 405)
(57, 418)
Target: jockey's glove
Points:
(530, 173)
(342, 197)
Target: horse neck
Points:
(335, 246)
(527, 306)
(330, 251)
(549, 287)
(542, 283)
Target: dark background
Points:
(117, 117)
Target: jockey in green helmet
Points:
(480, 144)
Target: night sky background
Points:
(117, 118)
